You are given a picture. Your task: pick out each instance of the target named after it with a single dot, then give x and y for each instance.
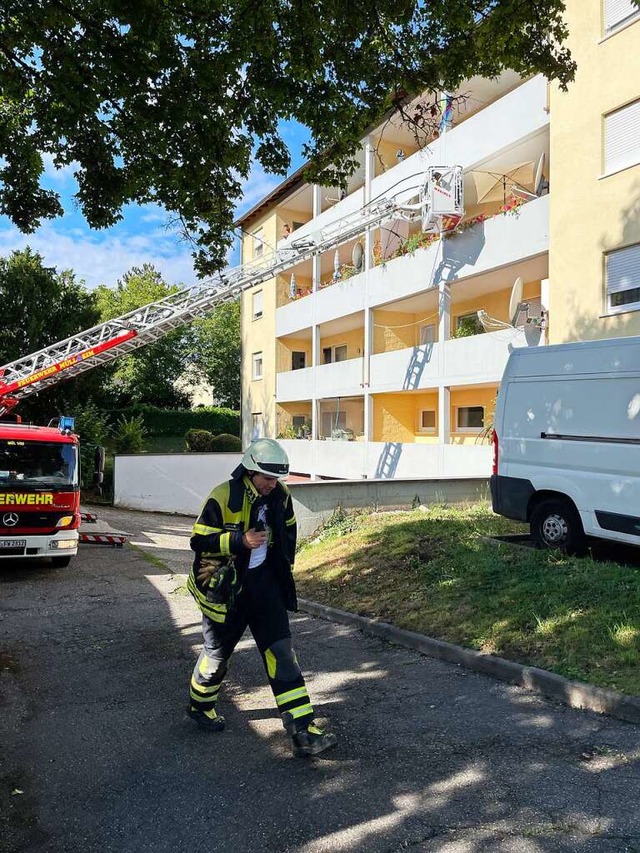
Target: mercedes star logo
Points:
(10, 519)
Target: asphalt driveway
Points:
(97, 754)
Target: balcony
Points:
(518, 115)
(340, 379)
(464, 361)
(493, 246)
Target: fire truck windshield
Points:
(38, 464)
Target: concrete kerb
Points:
(575, 694)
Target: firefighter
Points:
(244, 542)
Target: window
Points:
(302, 426)
(617, 13)
(257, 430)
(622, 273)
(333, 421)
(298, 360)
(330, 354)
(427, 420)
(467, 325)
(257, 305)
(340, 353)
(622, 138)
(258, 243)
(257, 365)
(470, 418)
(427, 334)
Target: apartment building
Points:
(594, 254)
(369, 361)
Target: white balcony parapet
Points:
(518, 115)
(463, 361)
(340, 379)
(493, 244)
(353, 460)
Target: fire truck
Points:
(39, 466)
(39, 491)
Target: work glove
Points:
(222, 581)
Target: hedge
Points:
(179, 421)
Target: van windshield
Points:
(32, 464)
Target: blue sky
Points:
(103, 257)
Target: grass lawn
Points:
(431, 572)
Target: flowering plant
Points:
(512, 206)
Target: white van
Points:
(567, 442)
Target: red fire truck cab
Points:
(39, 492)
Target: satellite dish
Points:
(515, 300)
(357, 256)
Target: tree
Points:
(147, 375)
(217, 352)
(171, 102)
(41, 306)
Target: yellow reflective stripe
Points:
(203, 530)
(202, 688)
(302, 711)
(271, 661)
(205, 667)
(217, 612)
(289, 521)
(290, 695)
(225, 544)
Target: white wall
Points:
(377, 459)
(170, 482)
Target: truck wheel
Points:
(556, 524)
(60, 562)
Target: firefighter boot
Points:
(312, 741)
(210, 720)
(307, 738)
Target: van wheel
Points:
(556, 524)
(60, 562)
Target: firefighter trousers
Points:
(260, 607)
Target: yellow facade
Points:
(353, 340)
(465, 398)
(396, 417)
(591, 213)
(259, 336)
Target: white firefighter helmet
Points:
(266, 457)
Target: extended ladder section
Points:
(127, 333)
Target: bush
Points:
(225, 443)
(129, 435)
(198, 441)
(202, 441)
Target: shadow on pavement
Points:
(99, 756)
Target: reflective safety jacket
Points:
(230, 510)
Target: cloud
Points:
(104, 257)
(59, 175)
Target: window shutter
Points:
(623, 269)
(622, 138)
(616, 12)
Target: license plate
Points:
(13, 543)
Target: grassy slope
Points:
(431, 572)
